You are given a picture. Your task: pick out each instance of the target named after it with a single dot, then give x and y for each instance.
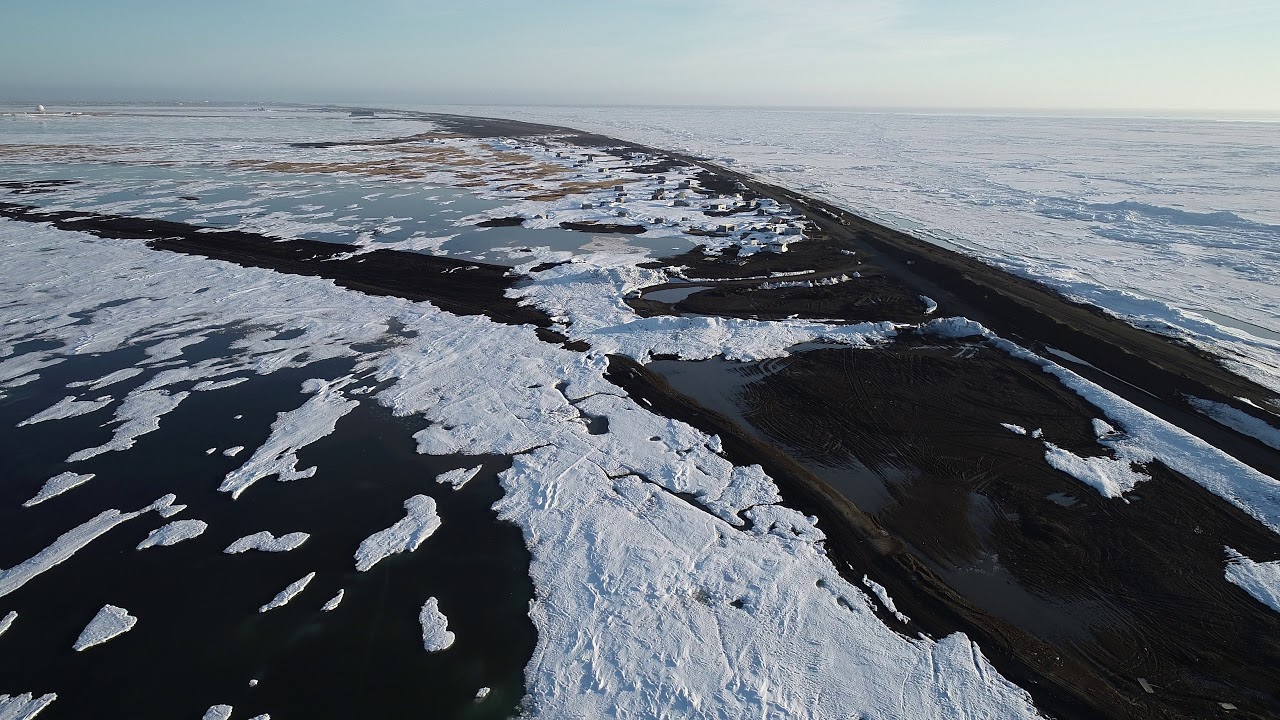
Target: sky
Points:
(1085, 54)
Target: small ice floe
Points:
(138, 415)
(67, 407)
(1259, 579)
(930, 307)
(174, 533)
(253, 682)
(435, 627)
(57, 485)
(71, 541)
(218, 712)
(405, 536)
(211, 451)
(24, 706)
(333, 602)
(233, 451)
(458, 478)
(7, 621)
(1037, 433)
(207, 385)
(482, 693)
(106, 380)
(1015, 429)
(263, 716)
(288, 593)
(293, 430)
(110, 622)
(266, 542)
(238, 417)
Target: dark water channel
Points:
(200, 639)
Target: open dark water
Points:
(199, 639)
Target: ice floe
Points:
(458, 478)
(25, 706)
(435, 627)
(266, 542)
(233, 451)
(67, 407)
(57, 485)
(7, 621)
(1015, 429)
(109, 623)
(174, 533)
(1259, 579)
(290, 432)
(406, 535)
(289, 593)
(71, 541)
(883, 596)
(218, 712)
(333, 602)
(138, 415)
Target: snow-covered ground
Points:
(1173, 224)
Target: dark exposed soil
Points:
(502, 222)
(596, 227)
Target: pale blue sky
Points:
(1136, 54)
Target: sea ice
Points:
(435, 627)
(71, 541)
(7, 621)
(266, 542)
(110, 622)
(405, 536)
(25, 706)
(218, 712)
(174, 533)
(233, 451)
(1259, 579)
(1015, 429)
(57, 485)
(138, 415)
(458, 478)
(67, 407)
(334, 602)
(288, 593)
(292, 431)
(482, 693)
